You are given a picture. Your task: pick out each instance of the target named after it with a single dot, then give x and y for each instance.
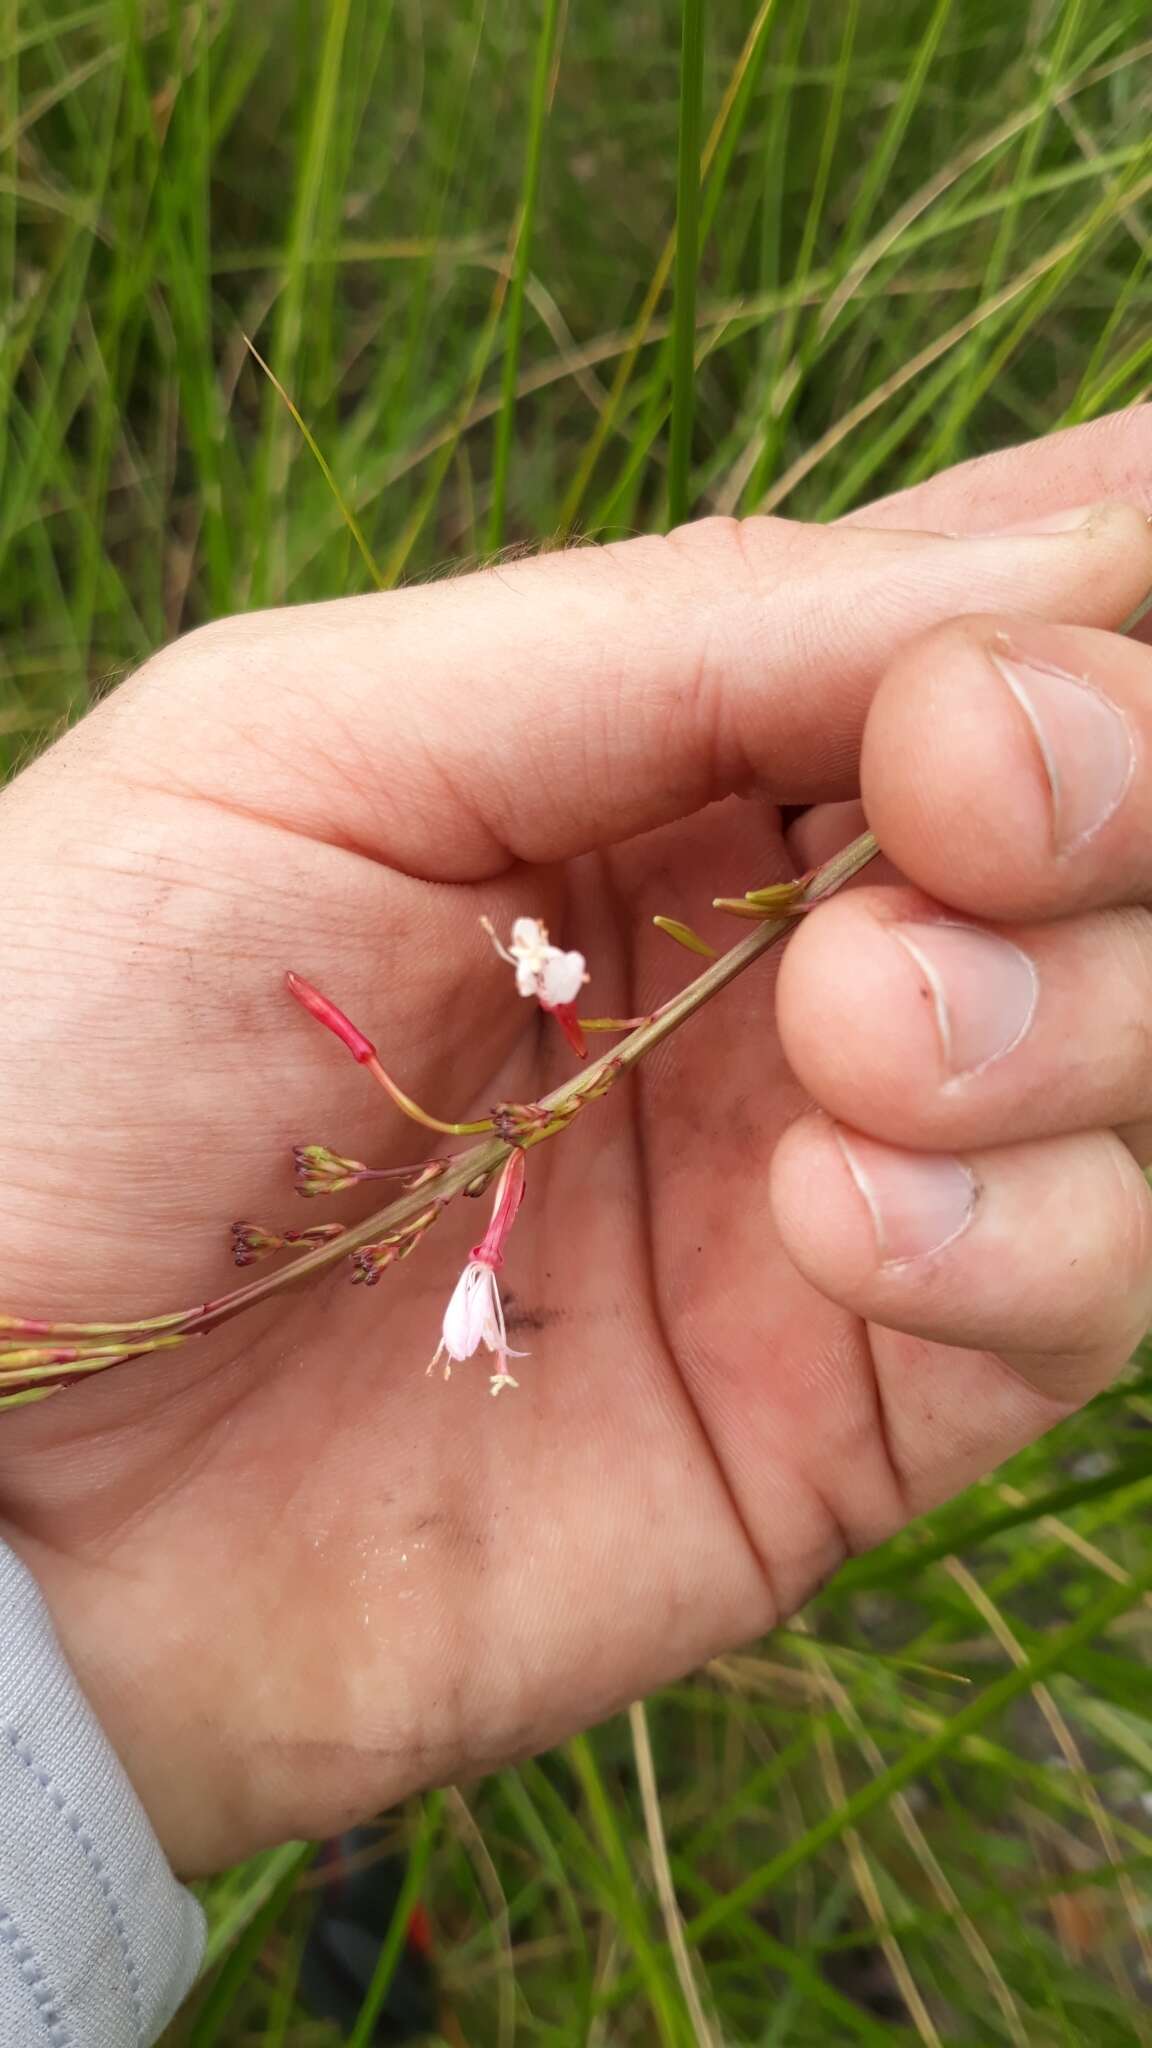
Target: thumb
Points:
(542, 708)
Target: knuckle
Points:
(211, 672)
(741, 550)
(202, 650)
(718, 532)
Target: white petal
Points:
(527, 978)
(562, 978)
(495, 1333)
(529, 937)
(467, 1313)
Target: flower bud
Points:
(321, 1172)
(674, 928)
(333, 1019)
(372, 1261)
(250, 1242)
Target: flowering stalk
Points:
(38, 1356)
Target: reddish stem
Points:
(568, 1018)
(509, 1195)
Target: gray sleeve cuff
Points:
(98, 1942)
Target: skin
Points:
(298, 1578)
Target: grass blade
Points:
(542, 86)
(687, 259)
(364, 2032)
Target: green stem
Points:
(421, 1116)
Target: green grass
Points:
(500, 307)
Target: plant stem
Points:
(420, 1116)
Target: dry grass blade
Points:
(839, 1697)
(1090, 150)
(662, 1873)
(1073, 1540)
(465, 1827)
(923, 360)
(315, 450)
(942, 181)
(873, 1904)
(1073, 1757)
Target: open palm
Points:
(299, 1578)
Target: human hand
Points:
(296, 1577)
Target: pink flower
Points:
(475, 1313)
(553, 977)
(475, 1316)
(542, 970)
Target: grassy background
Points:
(922, 1812)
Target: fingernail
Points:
(983, 990)
(1085, 744)
(919, 1201)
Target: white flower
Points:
(542, 970)
(475, 1316)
